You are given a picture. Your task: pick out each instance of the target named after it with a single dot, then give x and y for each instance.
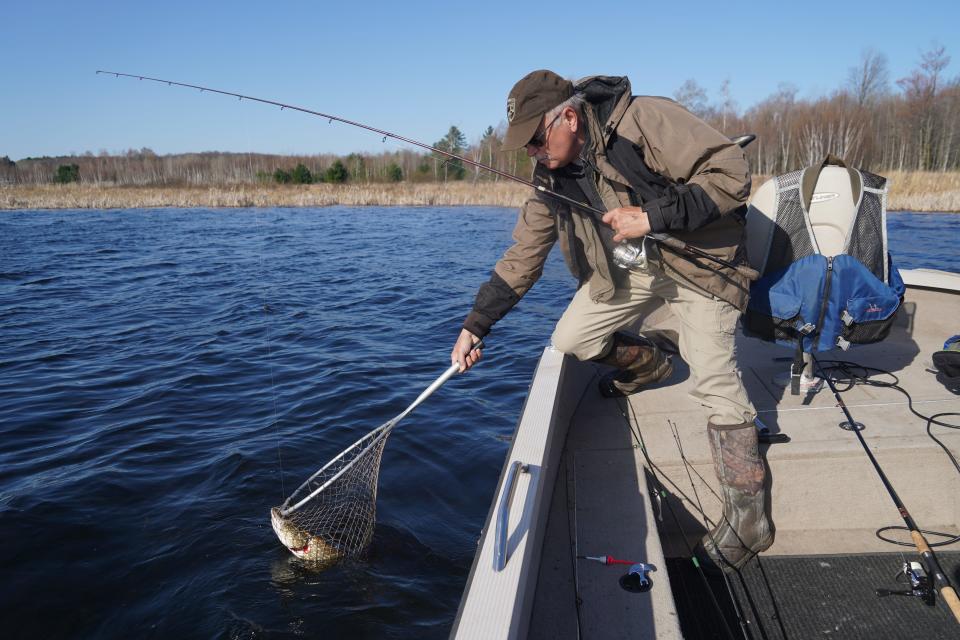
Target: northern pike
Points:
(301, 543)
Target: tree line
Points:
(915, 127)
(868, 122)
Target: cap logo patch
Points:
(511, 109)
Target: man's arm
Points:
(709, 172)
(519, 268)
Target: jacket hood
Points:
(609, 96)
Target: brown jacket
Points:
(671, 142)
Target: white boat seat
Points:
(832, 206)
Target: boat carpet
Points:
(796, 597)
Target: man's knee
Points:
(575, 345)
(565, 343)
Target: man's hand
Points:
(628, 222)
(463, 352)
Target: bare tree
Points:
(920, 92)
(692, 96)
(728, 106)
(870, 80)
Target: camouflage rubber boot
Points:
(745, 529)
(639, 362)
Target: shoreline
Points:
(920, 192)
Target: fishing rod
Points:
(934, 570)
(665, 239)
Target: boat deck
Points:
(800, 597)
(826, 498)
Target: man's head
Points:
(545, 116)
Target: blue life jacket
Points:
(815, 302)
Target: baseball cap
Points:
(534, 95)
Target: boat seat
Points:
(832, 209)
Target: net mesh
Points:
(331, 516)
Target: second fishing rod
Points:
(941, 580)
(627, 250)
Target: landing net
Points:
(331, 516)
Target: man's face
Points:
(555, 143)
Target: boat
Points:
(587, 478)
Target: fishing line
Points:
(571, 472)
(266, 294)
(576, 548)
(661, 493)
(268, 310)
(763, 573)
(687, 467)
(708, 526)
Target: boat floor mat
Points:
(796, 597)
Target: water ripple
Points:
(166, 376)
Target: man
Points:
(651, 166)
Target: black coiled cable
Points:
(846, 375)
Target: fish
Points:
(302, 544)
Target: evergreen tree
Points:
(454, 142)
(337, 173)
(67, 173)
(301, 175)
(394, 172)
(282, 177)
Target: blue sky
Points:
(411, 67)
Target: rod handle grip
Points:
(948, 592)
(953, 602)
(920, 541)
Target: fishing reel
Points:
(637, 580)
(630, 255)
(920, 585)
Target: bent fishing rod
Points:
(665, 239)
(934, 570)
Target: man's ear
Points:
(572, 118)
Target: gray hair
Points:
(575, 102)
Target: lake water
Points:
(166, 376)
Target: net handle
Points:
(385, 428)
(436, 384)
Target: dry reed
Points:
(80, 196)
(909, 191)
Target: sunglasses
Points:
(539, 139)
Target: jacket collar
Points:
(609, 97)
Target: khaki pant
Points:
(706, 331)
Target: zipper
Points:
(823, 306)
